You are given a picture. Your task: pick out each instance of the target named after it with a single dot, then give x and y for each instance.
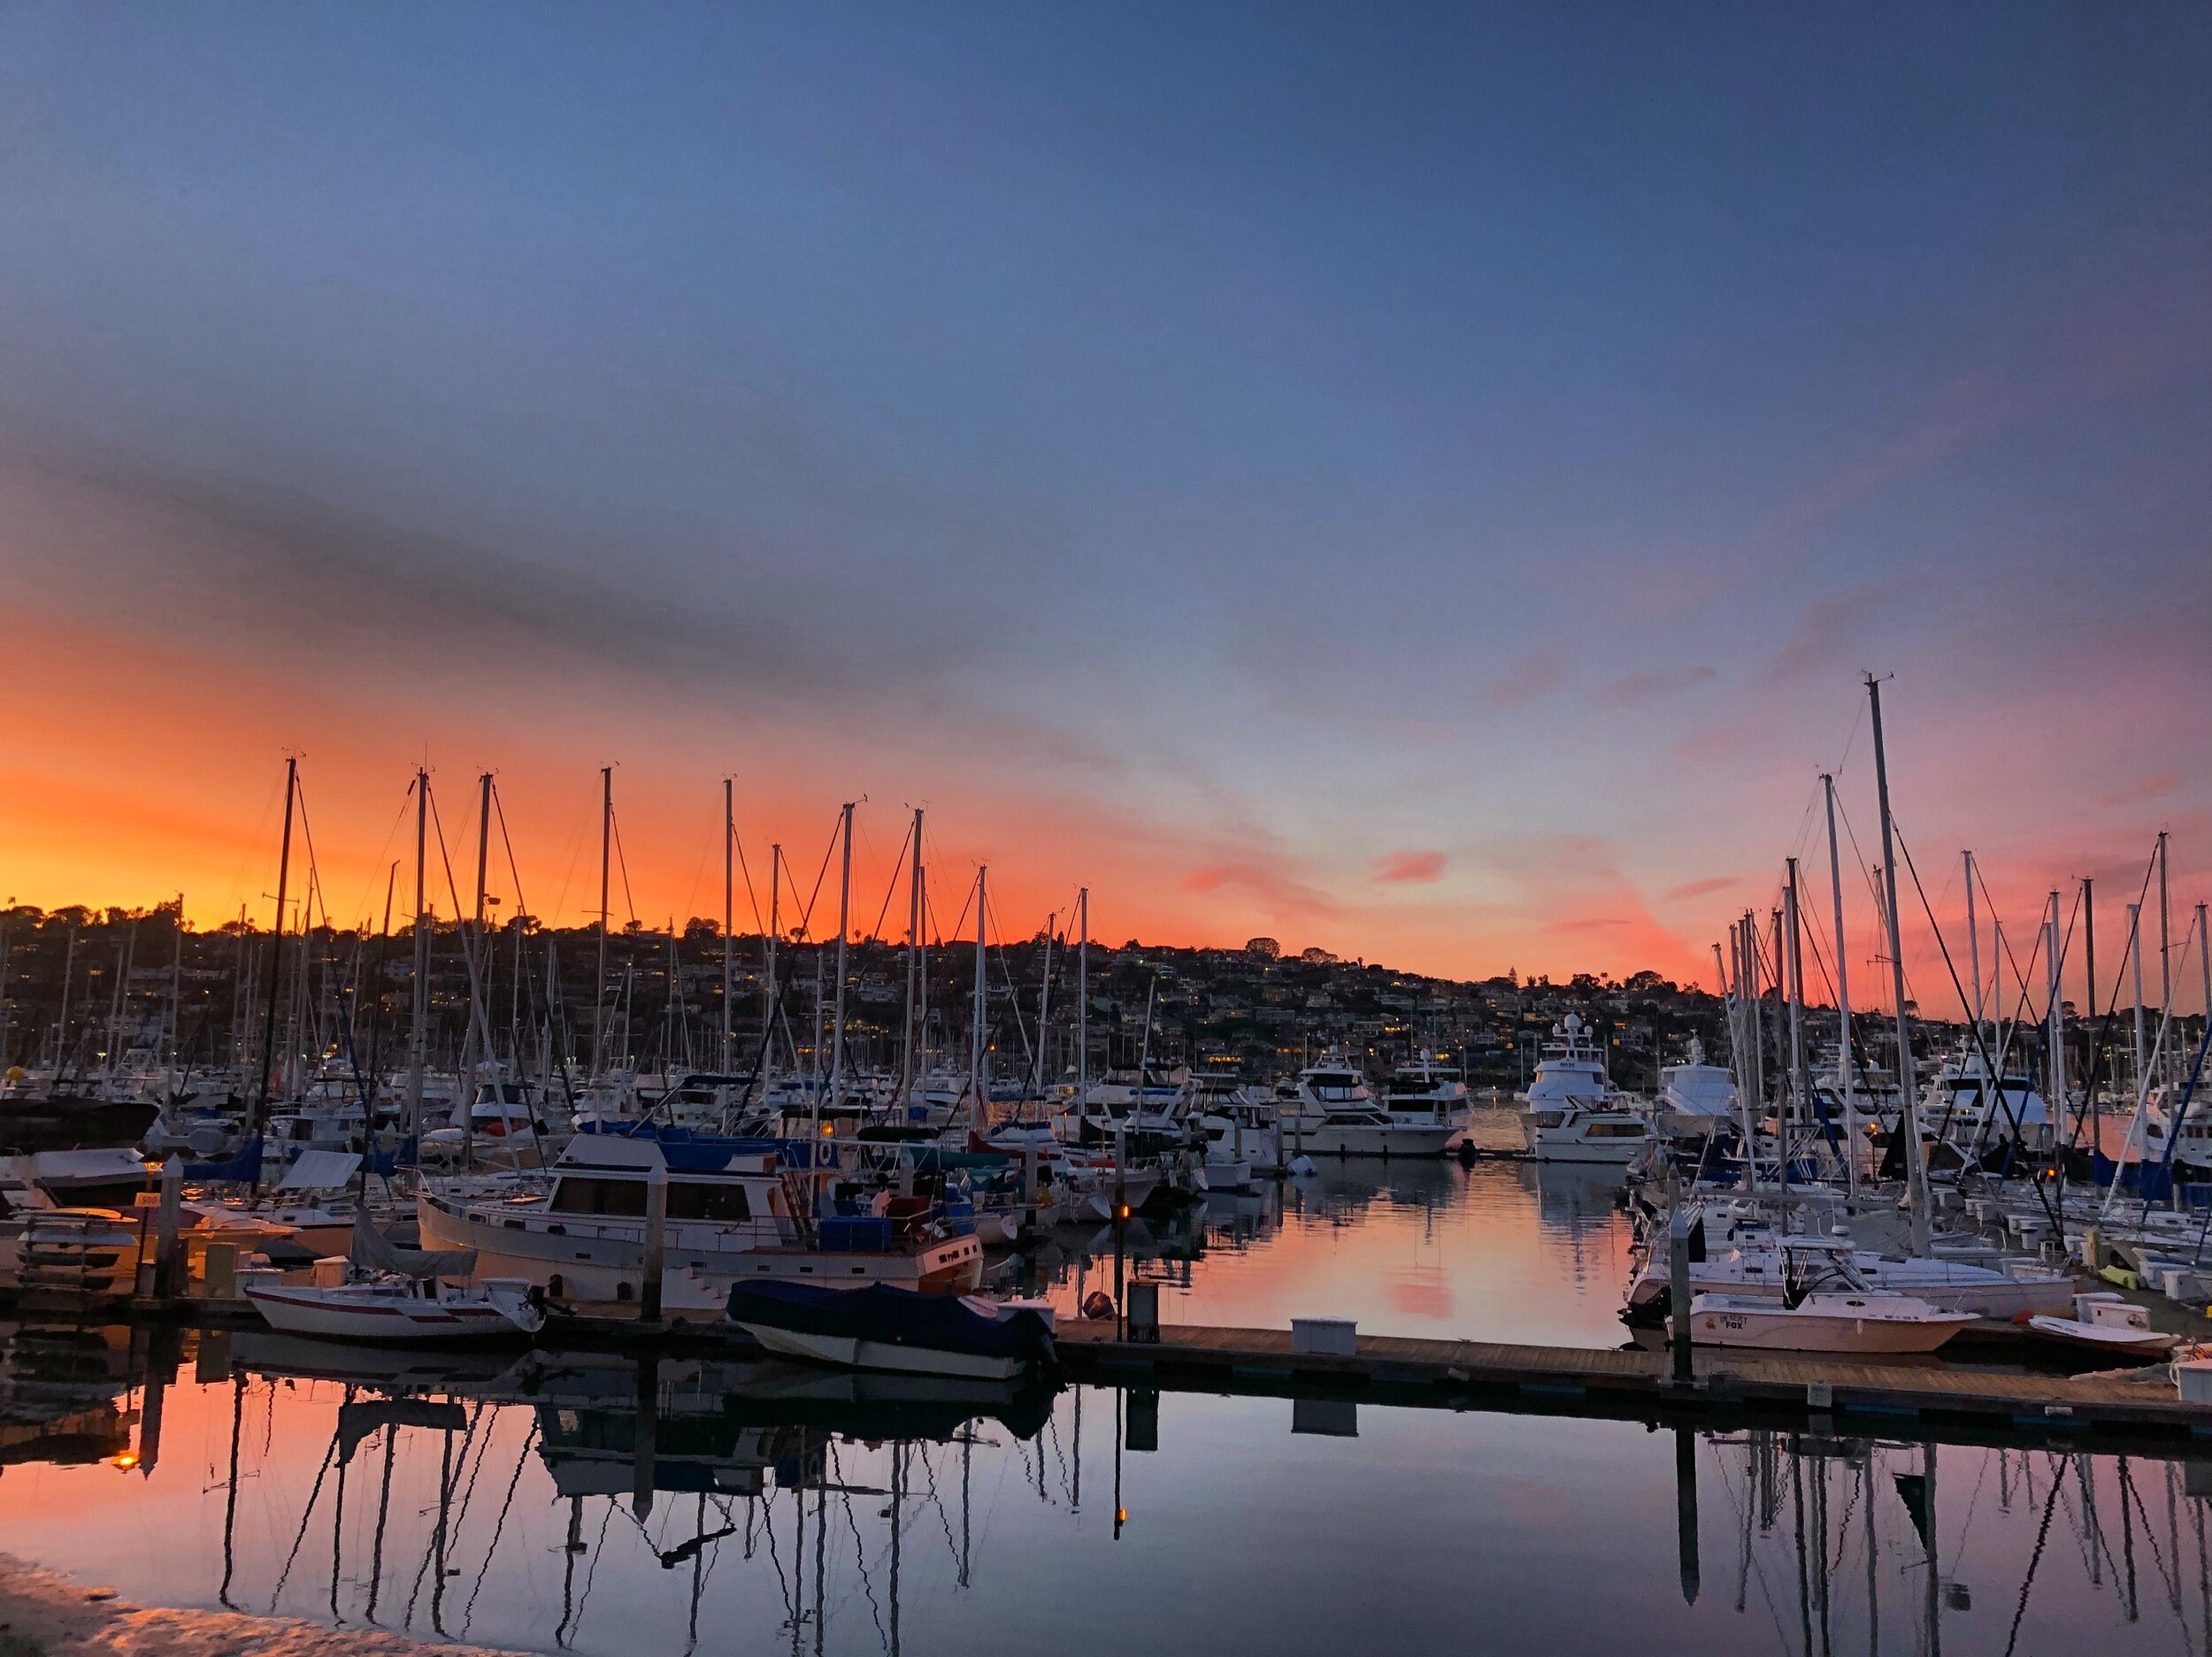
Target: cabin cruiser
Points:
(734, 1211)
(1971, 1110)
(1575, 1113)
(1241, 1132)
(1427, 1091)
(1696, 1099)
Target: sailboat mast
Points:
(1044, 1005)
(844, 926)
(276, 955)
(2057, 1013)
(982, 998)
(1843, 994)
(418, 1027)
(1801, 1085)
(775, 930)
(2165, 937)
(1973, 943)
(1907, 1090)
(729, 918)
(1083, 1000)
(913, 964)
(599, 989)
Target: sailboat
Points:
(392, 1295)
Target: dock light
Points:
(125, 1461)
(1121, 1516)
(1123, 1213)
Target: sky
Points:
(1422, 482)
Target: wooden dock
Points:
(1731, 1388)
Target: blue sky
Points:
(1206, 452)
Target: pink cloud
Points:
(1702, 888)
(1276, 891)
(2155, 786)
(1639, 688)
(1411, 868)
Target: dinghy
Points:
(878, 1327)
(2105, 1322)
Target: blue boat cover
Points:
(897, 1317)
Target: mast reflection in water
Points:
(584, 1501)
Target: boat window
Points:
(576, 1195)
(687, 1202)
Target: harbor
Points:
(595, 1498)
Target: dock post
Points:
(168, 1280)
(656, 1242)
(1678, 1290)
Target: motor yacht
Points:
(1574, 1113)
(733, 1211)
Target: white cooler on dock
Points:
(2194, 1378)
(1332, 1337)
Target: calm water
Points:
(797, 1510)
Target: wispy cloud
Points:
(1636, 689)
(1410, 868)
(2157, 786)
(1276, 891)
(1706, 887)
(1532, 678)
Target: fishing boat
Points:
(2108, 1323)
(883, 1328)
(1863, 1321)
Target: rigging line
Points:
(622, 862)
(2172, 1579)
(860, 1551)
(875, 933)
(499, 1525)
(1994, 1078)
(2042, 1535)
(591, 1571)
(390, 835)
(568, 876)
(737, 843)
(313, 1496)
(2092, 1088)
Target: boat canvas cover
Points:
(372, 1252)
(321, 1170)
(105, 1167)
(892, 1316)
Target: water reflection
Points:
(584, 1501)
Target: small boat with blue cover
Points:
(878, 1327)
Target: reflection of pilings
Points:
(1867, 1482)
(2127, 1538)
(1797, 1532)
(1685, 1510)
(568, 1567)
(645, 1445)
(338, 1521)
(1935, 1583)
(164, 1349)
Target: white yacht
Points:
(1696, 1099)
(1575, 1113)
(1426, 1090)
(1333, 1113)
(729, 1216)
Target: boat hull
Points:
(1398, 1140)
(381, 1319)
(846, 1351)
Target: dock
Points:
(1729, 1389)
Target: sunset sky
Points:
(1421, 482)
